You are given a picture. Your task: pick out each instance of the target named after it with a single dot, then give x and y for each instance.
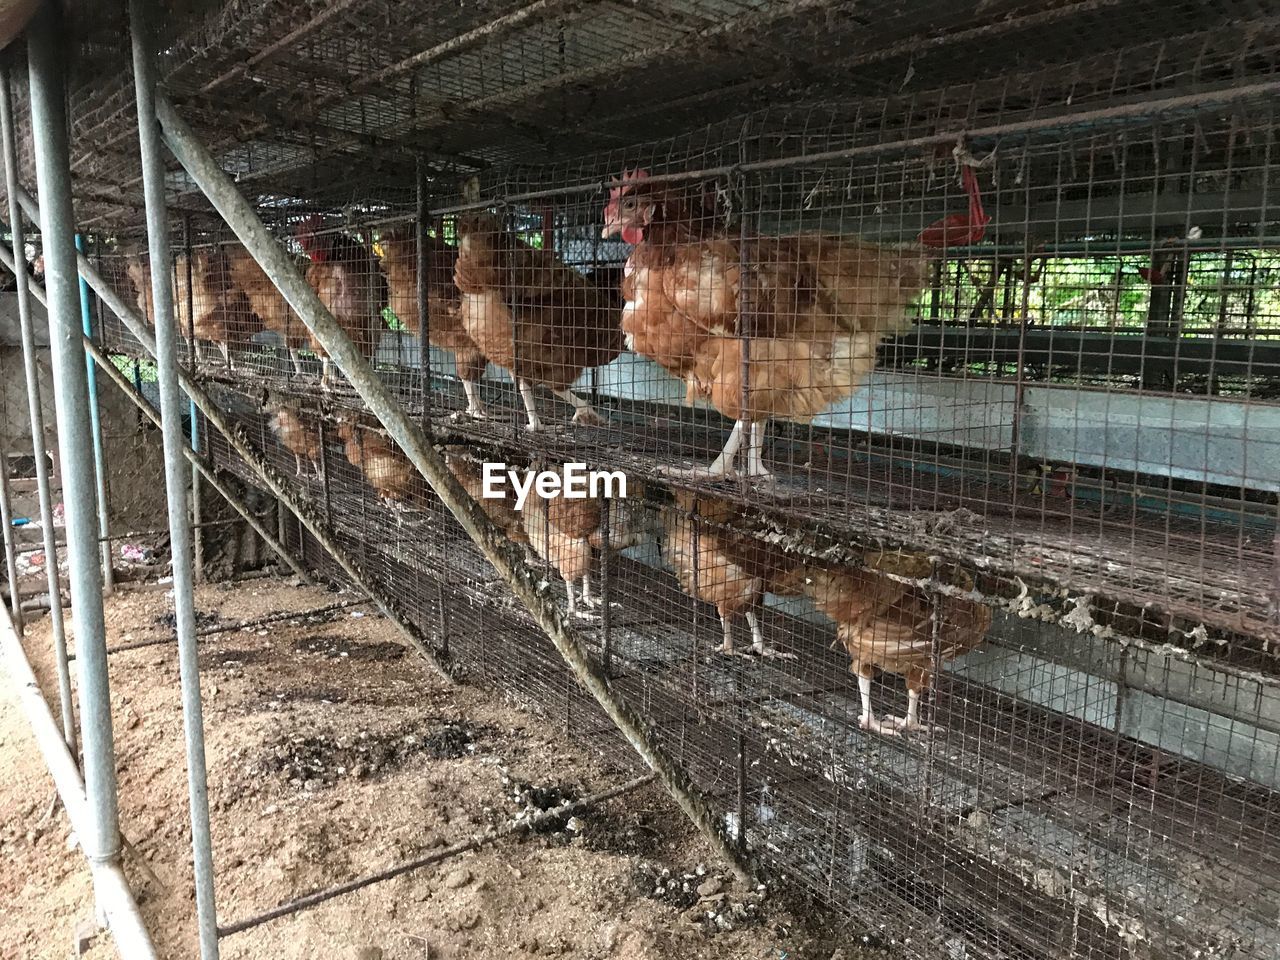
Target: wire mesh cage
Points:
(949, 565)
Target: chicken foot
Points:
(890, 726)
(758, 646)
(315, 467)
(587, 599)
(297, 361)
(726, 646)
(582, 410)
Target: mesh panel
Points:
(941, 353)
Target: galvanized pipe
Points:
(197, 500)
(99, 451)
(234, 437)
(153, 176)
(35, 409)
(10, 548)
(505, 557)
(49, 133)
(111, 889)
(121, 380)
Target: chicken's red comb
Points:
(629, 179)
(313, 224)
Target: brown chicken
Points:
(818, 306)
(886, 624)
(719, 564)
(297, 433)
(267, 302)
(568, 533)
(347, 280)
(391, 474)
(221, 313)
(400, 261)
(564, 532)
(530, 313)
(500, 510)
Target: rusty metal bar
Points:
(1048, 122)
(471, 843)
(240, 625)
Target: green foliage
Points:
(1235, 294)
(146, 369)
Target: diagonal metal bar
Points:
(504, 555)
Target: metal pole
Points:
(196, 506)
(36, 411)
(507, 559)
(10, 548)
(101, 842)
(99, 451)
(153, 177)
(109, 883)
(118, 377)
(424, 313)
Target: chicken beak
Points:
(611, 229)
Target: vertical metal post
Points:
(75, 429)
(197, 508)
(36, 412)
(424, 313)
(10, 548)
(153, 179)
(606, 620)
(99, 452)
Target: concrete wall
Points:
(135, 465)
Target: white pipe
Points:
(111, 889)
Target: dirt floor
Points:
(333, 751)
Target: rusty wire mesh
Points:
(1040, 485)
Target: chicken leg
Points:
(722, 466)
(226, 353)
(475, 408)
(726, 646)
(755, 451)
(917, 680)
(530, 407)
(297, 361)
(588, 598)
